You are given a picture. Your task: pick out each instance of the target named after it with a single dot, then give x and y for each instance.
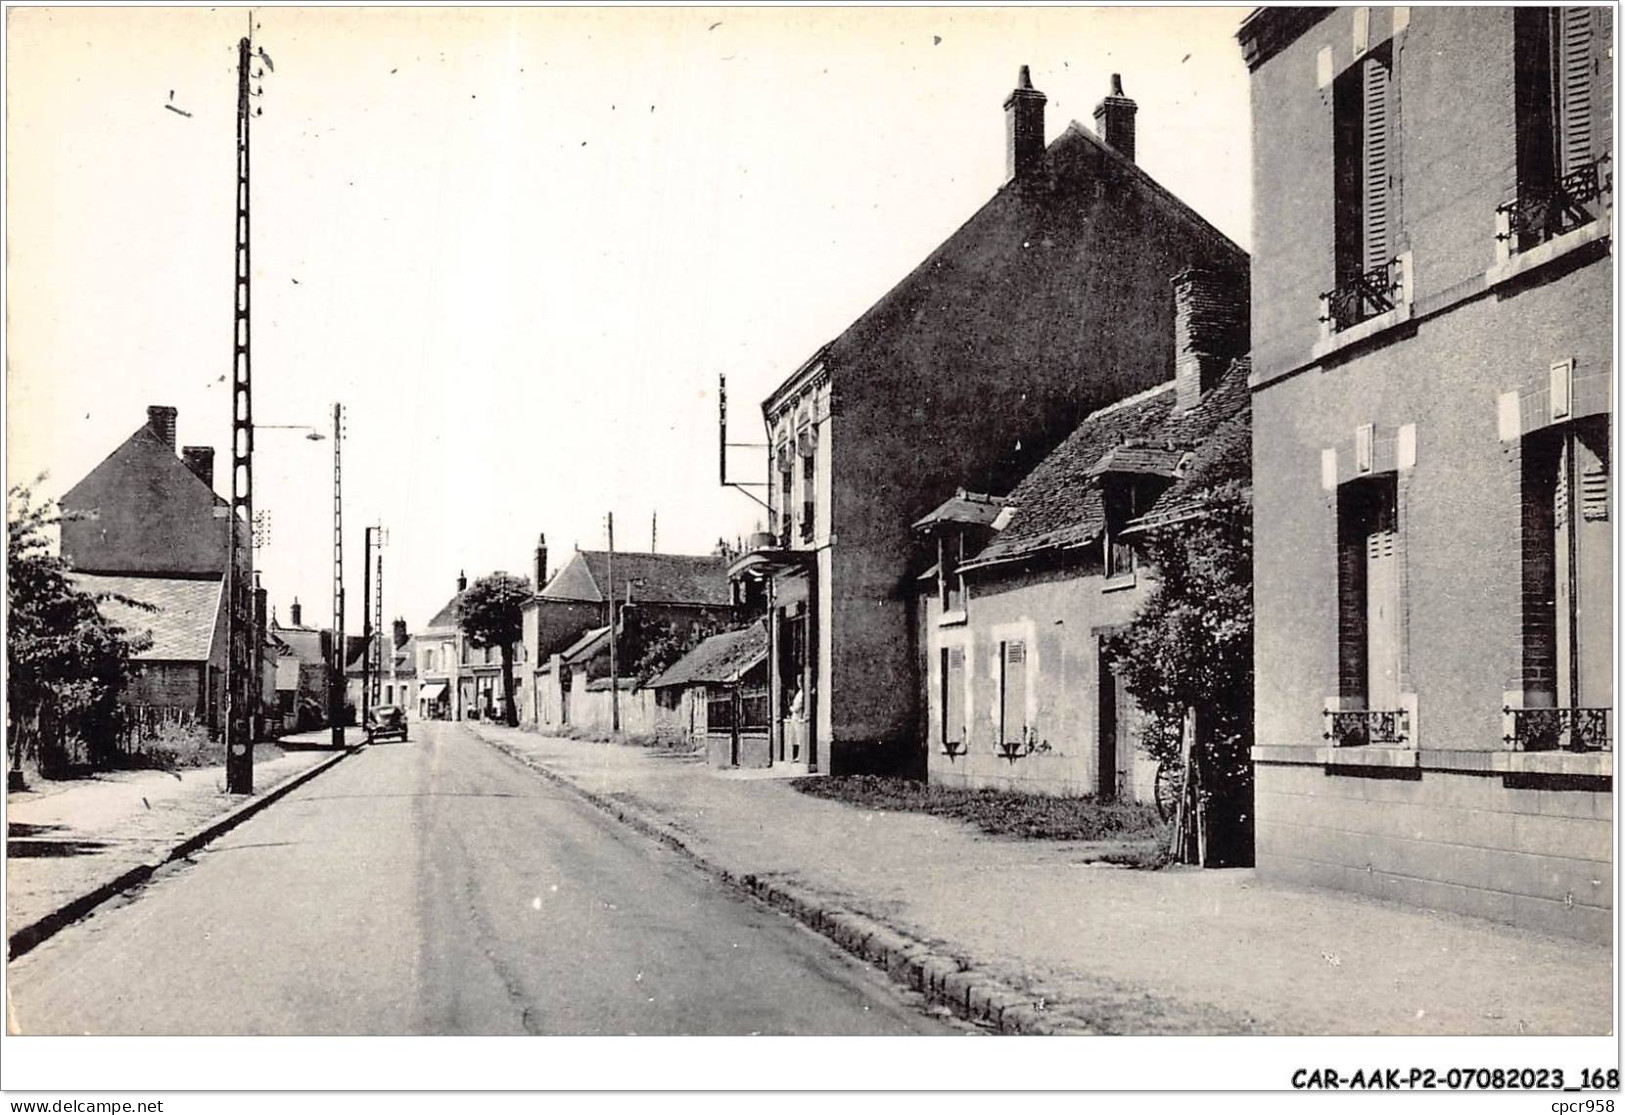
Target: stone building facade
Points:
(1050, 302)
(1432, 303)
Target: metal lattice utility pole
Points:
(372, 621)
(335, 694)
(240, 684)
(378, 621)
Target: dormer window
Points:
(950, 580)
(1126, 498)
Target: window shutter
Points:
(1594, 494)
(1576, 72)
(1014, 710)
(1378, 185)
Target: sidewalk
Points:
(1139, 952)
(67, 839)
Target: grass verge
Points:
(1004, 812)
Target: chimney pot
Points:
(541, 562)
(399, 627)
(462, 581)
(1024, 128)
(200, 459)
(295, 613)
(1114, 120)
(162, 422)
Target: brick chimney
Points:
(400, 635)
(162, 422)
(1114, 120)
(1210, 330)
(200, 459)
(462, 581)
(294, 613)
(1024, 128)
(540, 568)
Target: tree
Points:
(656, 645)
(67, 661)
(491, 614)
(1190, 648)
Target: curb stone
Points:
(50, 924)
(939, 978)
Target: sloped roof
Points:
(585, 646)
(146, 442)
(697, 579)
(599, 685)
(305, 642)
(966, 508)
(446, 617)
(1225, 457)
(1060, 504)
(182, 626)
(721, 658)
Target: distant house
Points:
(146, 524)
(1049, 303)
(717, 693)
(304, 672)
(1027, 590)
(669, 595)
(457, 680)
(394, 660)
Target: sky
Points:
(520, 246)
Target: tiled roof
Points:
(586, 645)
(969, 508)
(446, 617)
(721, 658)
(655, 578)
(1151, 460)
(182, 626)
(305, 642)
(1059, 504)
(1225, 457)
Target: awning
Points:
(433, 691)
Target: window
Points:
(1125, 500)
(809, 472)
(667, 697)
(1561, 97)
(719, 710)
(950, 581)
(1012, 693)
(1567, 584)
(1369, 616)
(953, 698)
(1365, 162)
(786, 478)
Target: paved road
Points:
(438, 887)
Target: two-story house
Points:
(1432, 351)
(146, 524)
(1050, 302)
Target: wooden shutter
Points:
(1013, 698)
(953, 694)
(1382, 621)
(1576, 87)
(1378, 169)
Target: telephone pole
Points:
(335, 693)
(614, 674)
(372, 596)
(241, 687)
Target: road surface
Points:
(439, 887)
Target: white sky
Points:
(519, 245)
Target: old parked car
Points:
(388, 722)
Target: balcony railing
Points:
(1360, 297)
(1368, 727)
(1539, 214)
(1559, 729)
